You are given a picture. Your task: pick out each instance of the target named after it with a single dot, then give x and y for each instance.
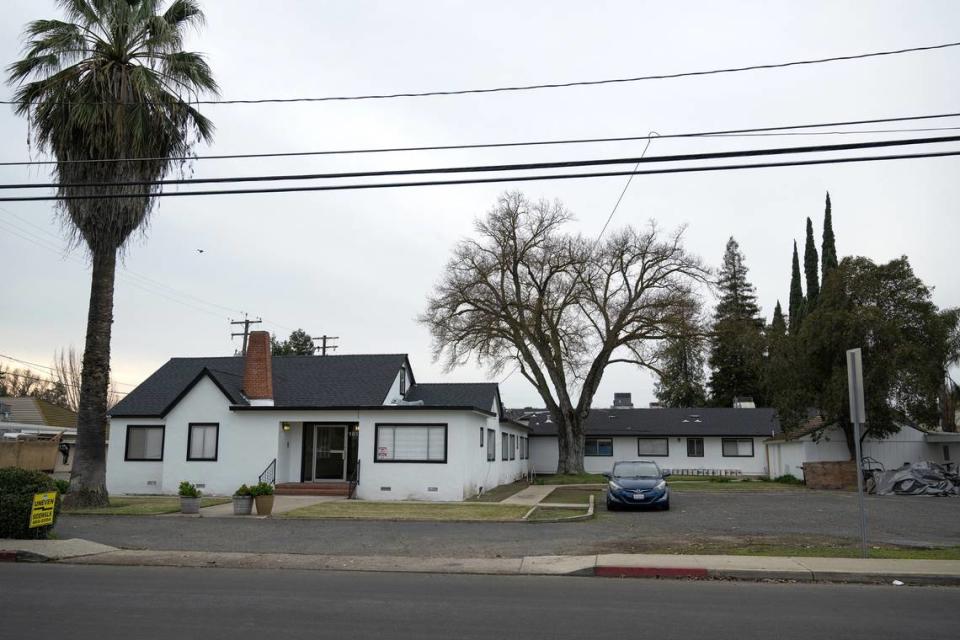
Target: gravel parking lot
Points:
(695, 517)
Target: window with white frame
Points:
(653, 447)
(411, 443)
(504, 446)
(523, 448)
(491, 445)
(737, 447)
(144, 443)
(513, 447)
(594, 447)
(202, 441)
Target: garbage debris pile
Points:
(919, 479)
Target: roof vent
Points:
(622, 401)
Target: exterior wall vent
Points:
(151, 483)
(384, 488)
(432, 489)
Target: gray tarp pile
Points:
(920, 479)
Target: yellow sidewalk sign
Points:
(41, 514)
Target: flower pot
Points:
(264, 505)
(242, 505)
(189, 505)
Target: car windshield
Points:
(636, 470)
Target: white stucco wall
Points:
(545, 455)
(908, 445)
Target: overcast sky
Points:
(360, 264)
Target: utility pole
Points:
(322, 348)
(246, 322)
(858, 416)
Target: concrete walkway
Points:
(911, 572)
(281, 504)
(531, 495)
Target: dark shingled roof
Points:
(455, 394)
(669, 422)
(298, 381)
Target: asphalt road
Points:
(694, 517)
(93, 603)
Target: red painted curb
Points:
(8, 556)
(649, 572)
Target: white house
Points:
(708, 441)
(314, 424)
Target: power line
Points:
(624, 191)
(462, 181)
(51, 369)
(499, 167)
(532, 143)
(532, 87)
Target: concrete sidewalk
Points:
(531, 495)
(912, 572)
(281, 504)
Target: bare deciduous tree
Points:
(560, 307)
(67, 371)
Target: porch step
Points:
(313, 489)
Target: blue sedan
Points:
(638, 483)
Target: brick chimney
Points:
(258, 370)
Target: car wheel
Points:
(666, 505)
(611, 506)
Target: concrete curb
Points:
(752, 568)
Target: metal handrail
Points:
(269, 474)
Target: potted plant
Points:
(263, 496)
(189, 498)
(242, 501)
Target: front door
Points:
(329, 452)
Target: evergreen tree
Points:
(811, 270)
(828, 250)
(778, 326)
(298, 344)
(796, 293)
(736, 344)
(682, 359)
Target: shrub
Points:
(62, 486)
(788, 478)
(243, 491)
(261, 489)
(188, 490)
(17, 487)
(721, 479)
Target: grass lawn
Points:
(733, 485)
(573, 478)
(502, 492)
(142, 506)
(574, 495)
(408, 511)
(547, 513)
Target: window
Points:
(694, 447)
(524, 448)
(737, 447)
(491, 445)
(598, 447)
(202, 441)
(513, 447)
(481, 437)
(411, 443)
(653, 447)
(504, 446)
(144, 443)
(403, 381)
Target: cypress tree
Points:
(811, 270)
(778, 325)
(736, 343)
(796, 293)
(828, 251)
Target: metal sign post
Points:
(858, 416)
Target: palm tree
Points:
(111, 81)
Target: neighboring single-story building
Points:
(26, 418)
(709, 441)
(324, 424)
(816, 443)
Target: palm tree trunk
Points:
(88, 476)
